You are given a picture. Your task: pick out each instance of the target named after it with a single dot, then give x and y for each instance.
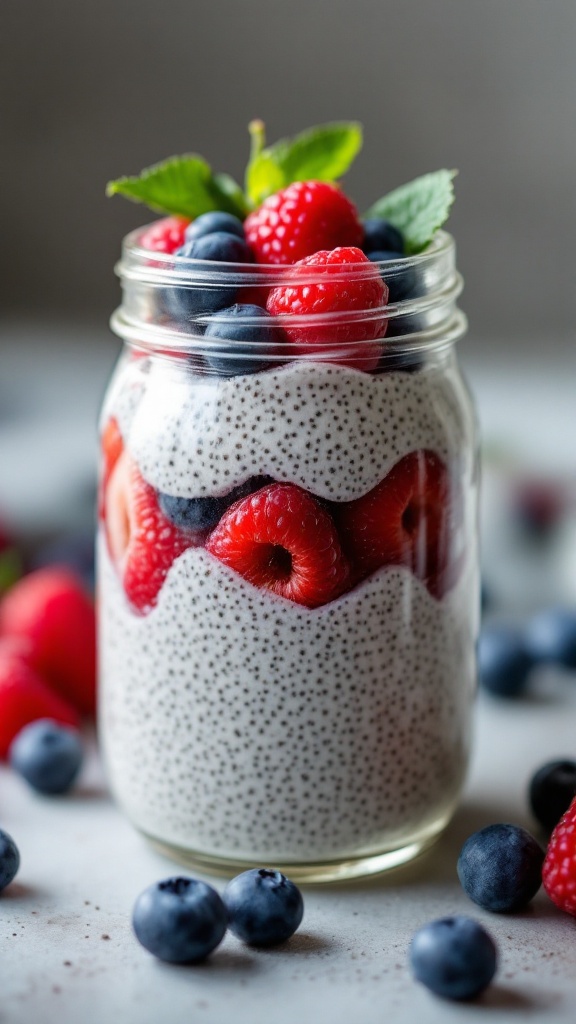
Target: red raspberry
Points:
(281, 539)
(51, 610)
(142, 542)
(25, 697)
(559, 869)
(321, 286)
(165, 235)
(407, 519)
(301, 219)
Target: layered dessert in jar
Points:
(287, 534)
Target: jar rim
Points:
(150, 267)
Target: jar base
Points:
(321, 871)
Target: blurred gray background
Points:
(92, 90)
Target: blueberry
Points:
(381, 235)
(552, 790)
(454, 957)
(503, 661)
(248, 347)
(206, 295)
(203, 513)
(500, 867)
(551, 637)
(180, 920)
(9, 859)
(48, 755)
(264, 907)
(216, 220)
(403, 281)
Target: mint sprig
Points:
(10, 569)
(183, 185)
(322, 153)
(186, 185)
(418, 208)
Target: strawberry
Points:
(301, 219)
(559, 869)
(404, 520)
(112, 447)
(50, 609)
(281, 539)
(25, 697)
(165, 235)
(143, 543)
(338, 289)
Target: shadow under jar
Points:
(287, 559)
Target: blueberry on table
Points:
(552, 790)
(551, 637)
(381, 235)
(216, 220)
(504, 662)
(242, 344)
(180, 920)
(264, 907)
(500, 867)
(205, 294)
(9, 859)
(47, 755)
(199, 514)
(455, 957)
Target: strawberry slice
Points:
(281, 539)
(25, 697)
(405, 520)
(142, 542)
(51, 610)
(112, 447)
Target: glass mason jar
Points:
(288, 571)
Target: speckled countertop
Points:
(67, 953)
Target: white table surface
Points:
(67, 954)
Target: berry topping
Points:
(248, 345)
(551, 637)
(301, 219)
(504, 664)
(165, 235)
(264, 907)
(500, 867)
(407, 519)
(401, 280)
(381, 235)
(559, 871)
(142, 541)
(454, 957)
(201, 514)
(331, 295)
(217, 247)
(552, 790)
(216, 220)
(25, 697)
(51, 609)
(9, 859)
(180, 920)
(281, 539)
(47, 755)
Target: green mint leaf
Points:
(10, 569)
(323, 153)
(231, 196)
(181, 185)
(418, 209)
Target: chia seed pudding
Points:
(243, 725)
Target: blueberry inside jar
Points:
(287, 547)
